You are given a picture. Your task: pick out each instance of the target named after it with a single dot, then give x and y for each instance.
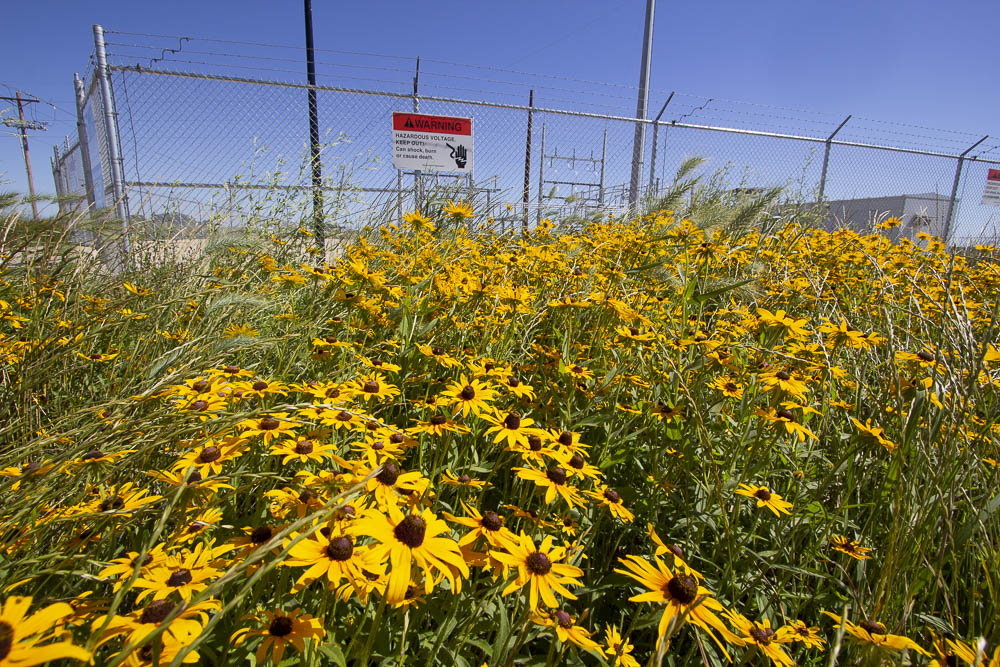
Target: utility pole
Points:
(639, 142)
(24, 127)
(314, 151)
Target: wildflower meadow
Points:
(640, 440)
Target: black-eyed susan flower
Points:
(760, 635)
(280, 630)
(765, 498)
(333, 555)
(799, 631)
(440, 355)
(873, 633)
(685, 599)
(567, 631)
(123, 568)
(618, 648)
(554, 480)
(179, 624)
(448, 478)
(850, 547)
(469, 396)
(303, 450)
(268, 428)
(373, 387)
(22, 634)
(209, 456)
(609, 498)
(185, 573)
(510, 427)
(541, 568)
(488, 525)
(414, 537)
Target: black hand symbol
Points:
(459, 154)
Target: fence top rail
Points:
(564, 112)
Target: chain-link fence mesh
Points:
(208, 146)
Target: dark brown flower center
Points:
(370, 387)
(340, 549)
(576, 462)
(112, 503)
(396, 438)
(492, 521)
(682, 588)
(199, 405)
(269, 424)
(304, 447)
(209, 454)
(437, 351)
(633, 331)
(730, 386)
(180, 577)
(566, 439)
(92, 454)
(259, 385)
(306, 496)
(232, 370)
(156, 612)
(343, 416)
(534, 443)
(512, 422)
(873, 627)
(761, 635)
(612, 496)
(468, 393)
(200, 385)
(513, 382)
(438, 420)
(332, 392)
(762, 494)
(556, 475)
(145, 561)
(410, 531)
(577, 369)
(925, 355)
(261, 534)
(563, 619)
(785, 414)
(390, 473)
(782, 375)
(464, 479)
(538, 563)
(281, 626)
(194, 477)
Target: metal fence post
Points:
(656, 132)
(314, 149)
(954, 190)
(111, 132)
(81, 134)
(541, 175)
(527, 160)
(418, 178)
(639, 140)
(826, 158)
(604, 161)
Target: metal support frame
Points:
(541, 176)
(826, 158)
(954, 190)
(656, 132)
(111, 133)
(639, 140)
(82, 139)
(527, 161)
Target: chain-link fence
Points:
(199, 142)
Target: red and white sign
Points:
(991, 195)
(431, 143)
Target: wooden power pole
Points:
(24, 126)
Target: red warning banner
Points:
(993, 175)
(415, 122)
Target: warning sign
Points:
(991, 195)
(431, 143)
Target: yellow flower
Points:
(850, 547)
(566, 629)
(876, 634)
(459, 211)
(282, 630)
(765, 498)
(540, 568)
(21, 634)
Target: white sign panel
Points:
(991, 195)
(431, 143)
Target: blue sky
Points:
(919, 63)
